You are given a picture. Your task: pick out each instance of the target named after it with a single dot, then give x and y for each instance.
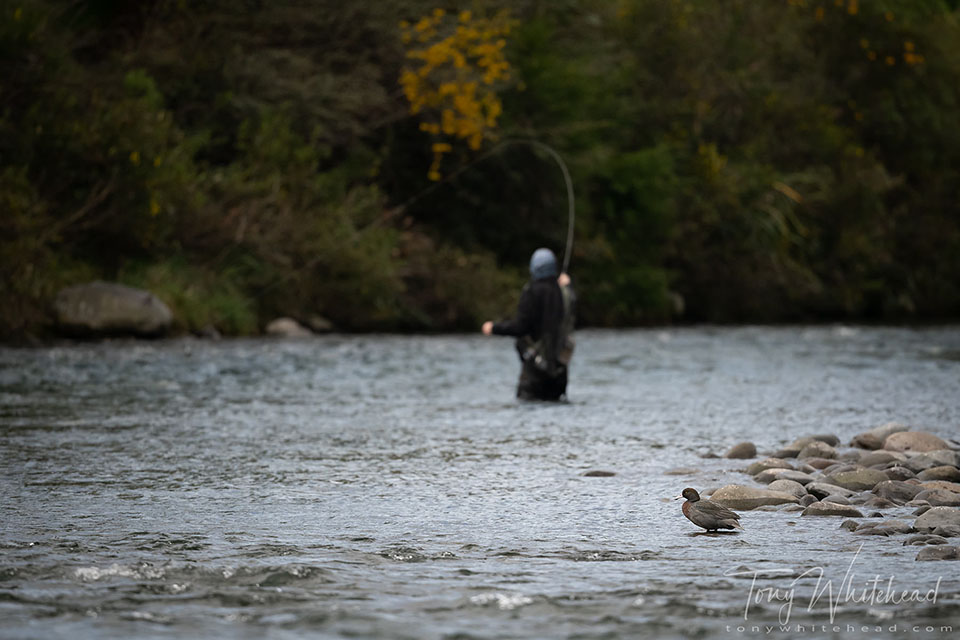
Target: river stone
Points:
(930, 459)
(599, 473)
(807, 500)
(941, 484)
(794, 448)
(768, 463)
(885, 528)
(939, 552)
(835, 499)
(851, 455)
(817, 449)
(914, 441)
(939, 497)
(790, 508)
(821, 490)
(899, 473)
(819, 463)
(924, 538)
(792, 487)
(875, 438)
(937, 517)
(950, 474)
(319, 324)
(948, 531)
(896, 491)
(107, 308)
(742, 498)
(742, 451)
(831, 509)
(681, 471)
(882, 457)
(857, 480)
(849, 525)
(768, 476)
(879, 503)
(828, 438)
(287, 328)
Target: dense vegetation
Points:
(770, 160)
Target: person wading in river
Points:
(543, 327)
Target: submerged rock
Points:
(886, 528)
(937, 517)
(742, 451)
(914, 441)
(940, 552)
(875, 438)
(599, 473)
(924, 538)
(831, 509)
(107, 308)
(849, 525)
(736, 496)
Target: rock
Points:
(806, 468)
(736, 496)
(858, 480)
(768, 463)
(879, 503)
(107, 308)
(835, 499)
(896, 491)
(831, 509)
(929, 459)
(742, 451)
(792, 487)
(922, 510)
(794, 448)
(899, 473)
(939, 552)
(853, 455)
(822, 490)
(849, 525)
(598, 473)
(709, 455)
(947, 531)
(886, 528)
(924, 538)
(319, 324)
(790, 508)
(208, 332)
(819, 463)
(287, 328)
(937, 517)
(950, 474)
(840, 467)
(882, 457)
(828, 438)
(939, 498)
(808, 500)
(875, 438)
(941, 484)
(914, 441)
(768, 476)
(681, 471)
(817, 449)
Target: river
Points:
(391, 486)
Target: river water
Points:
(391, 486)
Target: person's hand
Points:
(563, 280)
(487, 328)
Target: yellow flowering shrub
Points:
(454, 66)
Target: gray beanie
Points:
(543, 264)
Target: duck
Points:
(709, 515)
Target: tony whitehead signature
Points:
(876, 590)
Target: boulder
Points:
(821, 490)
(768, 463)
(939, 498)
(287, 328)
(947, 473)
(885, 528)
(939, 552)
(899, 473)
(930, 459)
(828, 438)
(875, 438)
(924, 538)
(896, 491)
(878, 503)
(882, 457)
(742, 451)
(914, 441)
(817, 449)
(788, 486)
(941, 484)
(819, 463)
(107, 308)
(831, 509)
(835, 499)
(794, 448)
(849, 525)
(768, 476)
(947, 531)
(857, 480)
(937, 517)
(736, 496)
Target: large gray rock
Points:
(941, 484)
(924, 538)
(896, 491)
(287, 328)
(107, 308)
(939, 498)
(882, 457)
(885, 528)
(858, 479)
(742, 498)
(899, 473)
(788, 486)
(875, 438)
(768, 476)
(742, 451)
(914, 441)
(930, 459)
(939, 552)
(937, 517)
(817, 449)
(948, 473)
(768, 463)
(831, 509)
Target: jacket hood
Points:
(543, 264)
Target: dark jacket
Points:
(538, 320)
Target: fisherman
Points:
(543, 327)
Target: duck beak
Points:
(680, 497)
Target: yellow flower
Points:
(908, 46)
(135, 158)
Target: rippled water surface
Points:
(383, 486)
